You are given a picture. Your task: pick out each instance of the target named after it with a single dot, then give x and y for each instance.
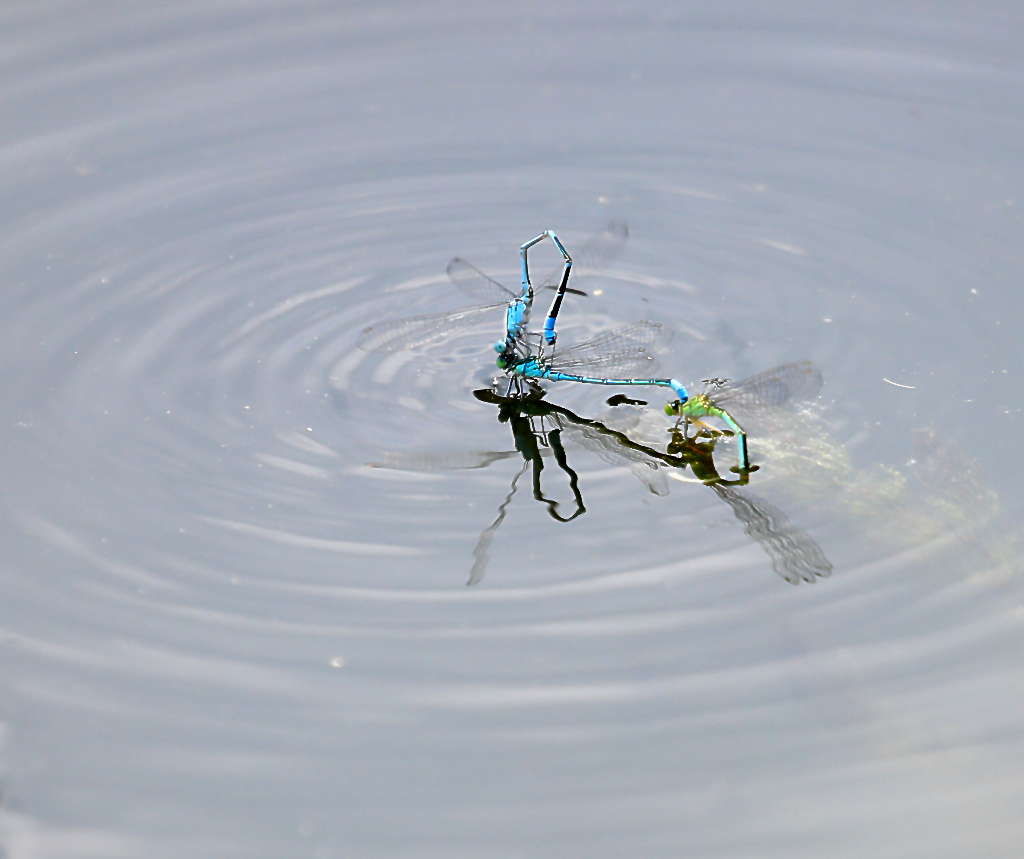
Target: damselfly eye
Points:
(502, 363)
(499, 347)
(672, 408)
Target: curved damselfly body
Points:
(432, 330)
(610, 358)
(591, 362)
(528, 357)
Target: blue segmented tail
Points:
(556, 303)
(532, 369)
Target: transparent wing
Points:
(793, 553)
(421, 332)
(772, 388)
(621, 352)
(475, 283)
(594, 255)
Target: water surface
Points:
(228, 632)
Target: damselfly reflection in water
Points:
(545, 431)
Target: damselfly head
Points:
(672, 408)
(502, 349)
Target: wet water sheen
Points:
(236, 619)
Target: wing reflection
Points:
(541, 432)
(536, 424)
(793, 553)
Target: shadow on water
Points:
(211, 604)
(541, 430)
(540, 427)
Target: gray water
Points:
(228, 631)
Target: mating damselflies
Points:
(525, 356)
(609, 358)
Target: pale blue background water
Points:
(224, 634)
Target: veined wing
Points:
(622, 351)
(422, 332)
(475, 283)
(772, 388)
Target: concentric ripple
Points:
(214, 377)
(237, 544)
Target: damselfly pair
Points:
(522, 359)
(524, 355)
(527, 357)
